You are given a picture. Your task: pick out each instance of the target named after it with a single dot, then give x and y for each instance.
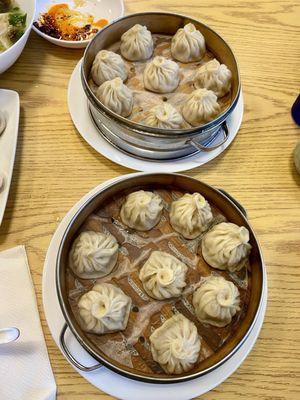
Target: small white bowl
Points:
(108, 9)
(9, 56)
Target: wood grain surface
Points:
(55, 167)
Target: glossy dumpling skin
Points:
(107, 66)
(176, 345)
(201, 107)
(93, 254)
(214, 76)
(226, 246)
(141, 210)
(161, 75)
(190, 215)
(163, 275)
(216, 301)
(188, 44)
(164, 116)
(137, 43)
(116, 96)
(104, 309)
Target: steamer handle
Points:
(201, 147)
(70, 357)
(239, 206)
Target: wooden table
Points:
(55, 167)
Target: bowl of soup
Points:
(16, 19)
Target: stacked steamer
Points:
(104, 308)
(161, 81)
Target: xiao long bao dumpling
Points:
(176, 345)
(93, 254)
(116, 96)
(164, 116)
(214, 76)
(141, 210)
(216, 301)
(107, 66)
(188, 44)
(190, 215)
(226, 246)
(201, 107)
(161, 75)
(163, 275)
(137, 43)
(104, 309)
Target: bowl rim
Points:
(148, 130)
(28, 28)
(107, 363)
(72, 42)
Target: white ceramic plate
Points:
(110, 382)
(108, 9)
(10, 107)
(78, 108)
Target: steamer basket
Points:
(148, 142)
(232, 211)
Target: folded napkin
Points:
(25, 370)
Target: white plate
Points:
(108, 9)
(79, 111)
(110, 382)
(10, 106)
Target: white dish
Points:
(78, 108)
(9, 57)
(108, 9)
(10, 106)
(110, 382)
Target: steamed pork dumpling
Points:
(226, 246)
(104, 309)
(107, 66)
(164, 116)
(188, 44)
(176, 345)
(214, 76)
(201, 107)
(141, 210)
(190, 215)
(161, 75)
(163, 275)
(216, 301)
(137, 43)
(93, 254)
(116, 96)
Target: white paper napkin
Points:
(25, 370)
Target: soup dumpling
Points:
(107, 66)
(104, 309)
(161, 75)
(116, 96)
(163, 275)
(164, 116)
(137, 43)
(188, 44)
(226, 246)
(93, 254)
(190, 215)
(201, 107)
(216, 301)
(214, 76)
(141, 210)
(176, 345)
